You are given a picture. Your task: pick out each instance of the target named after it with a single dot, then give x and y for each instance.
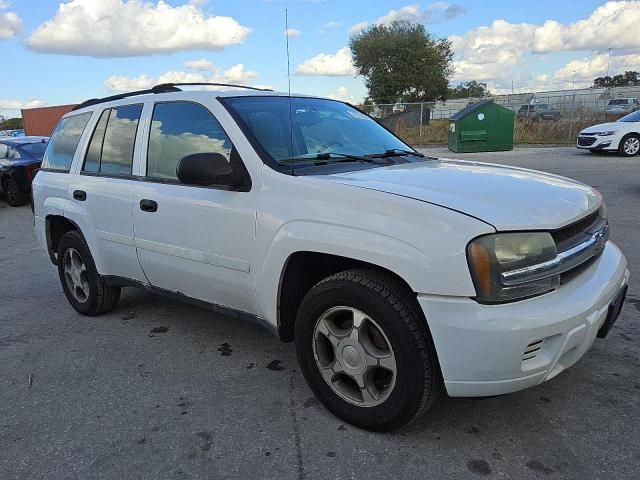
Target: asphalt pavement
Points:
(163, 390)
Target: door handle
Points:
(148, 205)
(80, 195)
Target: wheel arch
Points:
(56, 226)
(304, 269)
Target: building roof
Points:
(468, 109)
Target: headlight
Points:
(605, 134)
(604, 212)
(491, 255)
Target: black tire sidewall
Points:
(404, 400)
(75, 240)
(14, 196)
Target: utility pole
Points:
(608, 61)
(574, 81)
(512, 86)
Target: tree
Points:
(469, 89)
(11, 124)
(628, 79)
(402, 61)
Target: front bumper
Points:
(482, 348)
(608, 143)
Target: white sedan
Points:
(622, 136)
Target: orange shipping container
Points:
(42, 121)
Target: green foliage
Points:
(628, 79)
(11, 124)
(469, 89)
(402, 62)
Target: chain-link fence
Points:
(553, 117)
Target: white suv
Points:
(395, 274)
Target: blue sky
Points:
(74, 57)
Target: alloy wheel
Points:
(75, 274)
(354, 356)
(631, 146)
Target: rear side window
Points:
(111, 147)
(179, 129)
(64, 141)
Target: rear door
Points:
(193, 240)
(103, 188)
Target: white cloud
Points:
(20, 104)
(235, 74)
(434, 12)
(358, 27)
(586, 69)
(343, 94)
(612, 25)
(494, 52)
(292, 32)
(330, 64)
(123, 28)
(200, 64)
(10, 23)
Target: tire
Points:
(94, 297)
(629, 145)
(15, 196)
(391, 315)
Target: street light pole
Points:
(608, 61)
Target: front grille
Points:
(586, 141)
(575, 234)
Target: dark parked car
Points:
(20, 159)
(539, 111)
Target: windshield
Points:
(318, 127)
(632, 117)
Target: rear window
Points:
(64, 141)
(111, 147)
(619, 101)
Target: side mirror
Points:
(207, 169)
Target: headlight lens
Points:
(491, 255)
(605, 134)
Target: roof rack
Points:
(161, 88)
(213, 83)
(165, 88)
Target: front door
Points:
(193, 240)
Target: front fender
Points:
(433, 271)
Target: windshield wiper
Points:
(328, 157)
(395, 152)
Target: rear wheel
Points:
(15, 196)
(629, 145)
(82, 284)
(365, 350)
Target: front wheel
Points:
(629, 145)
(365, 350)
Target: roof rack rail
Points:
(165, 88)
(166, 85)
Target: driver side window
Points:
(179, 129)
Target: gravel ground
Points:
(159, 389)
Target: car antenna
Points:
(286, 34)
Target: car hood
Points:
(603, 127)
(508, 198)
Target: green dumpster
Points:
(481, 127)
